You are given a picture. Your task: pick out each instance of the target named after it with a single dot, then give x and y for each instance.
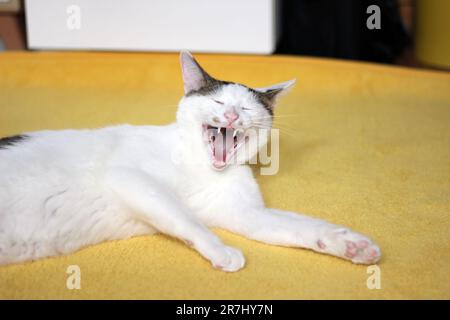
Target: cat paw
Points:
(229, 259)
(349, 245)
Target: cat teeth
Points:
(218, 129)
(235, 133)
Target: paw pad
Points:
(321, 245)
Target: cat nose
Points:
(231, 116)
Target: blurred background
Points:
(412, 33)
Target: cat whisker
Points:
(280, 116)
(286, 131)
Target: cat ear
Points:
(272, 92)
(194, 77)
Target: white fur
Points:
(63, 190)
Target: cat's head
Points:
(226, 114)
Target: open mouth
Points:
(223, 143)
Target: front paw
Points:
(349, 245)
(228, 259)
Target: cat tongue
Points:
(223, 142)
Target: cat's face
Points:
(233, 120)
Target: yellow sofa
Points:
(363, 145)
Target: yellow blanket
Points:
(362, 145)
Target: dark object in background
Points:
(337, 28)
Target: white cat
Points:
(63, 190)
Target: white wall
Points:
(241, 26)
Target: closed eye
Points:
(217, 101)
(245, 109)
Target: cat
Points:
(64, 190)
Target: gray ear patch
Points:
(210, 87)
(10, 141)
(265, 100)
